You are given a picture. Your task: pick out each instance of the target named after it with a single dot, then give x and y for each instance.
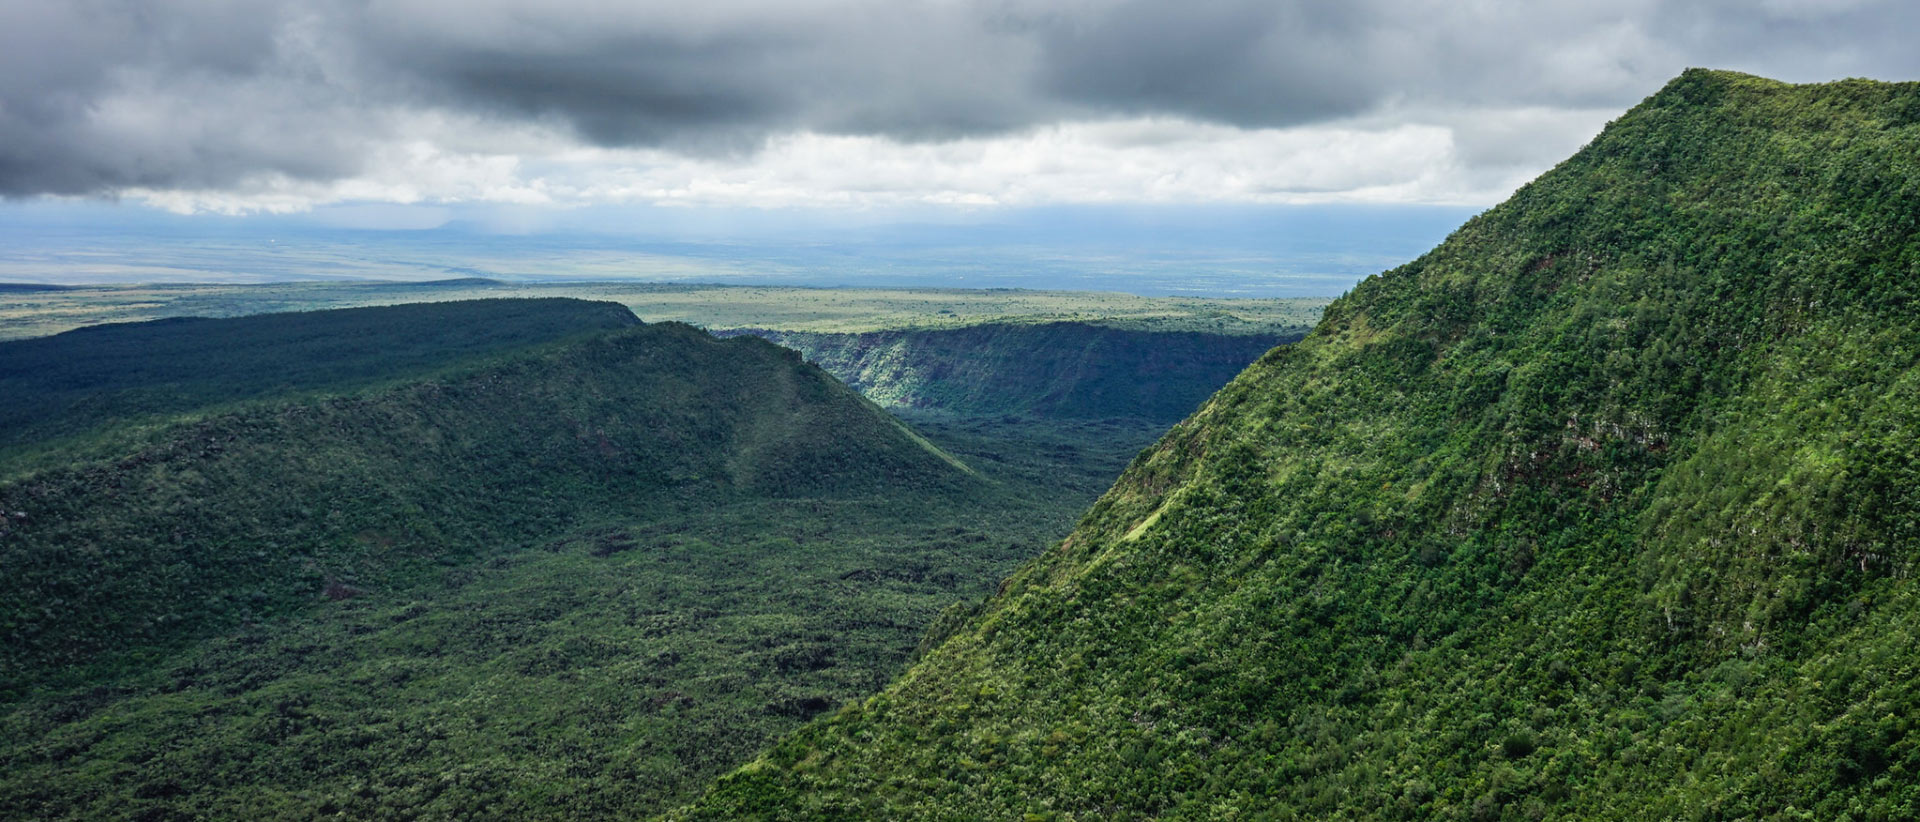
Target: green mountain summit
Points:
(1605, 508)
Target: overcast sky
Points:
(239, 106)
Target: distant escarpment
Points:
(1607, 507)
(112, 375)
(1058, 370)
(379, 461)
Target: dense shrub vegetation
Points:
(245, 513)
(1605, 508)
(500, 560)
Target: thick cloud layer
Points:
(112, 96)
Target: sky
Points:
(534, 114)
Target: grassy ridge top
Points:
(1605, 508)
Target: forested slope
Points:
(499, 560)
(254, 509)
(1605, 508)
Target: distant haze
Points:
(803, 140)
(1216, 251)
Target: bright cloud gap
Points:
(1154, 160)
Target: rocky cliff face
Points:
(1061, 370)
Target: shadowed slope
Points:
(261, 509)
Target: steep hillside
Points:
(1063, 370)
(224, 517)
(1605, 508)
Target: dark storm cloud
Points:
(1248, 63)
(98, 96)
(621, 74)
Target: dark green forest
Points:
(1604, 508)
(217, 518)
(496, 559)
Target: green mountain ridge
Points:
(1604, 508)
(1053, 370)
(487, 559)
(476, 560)
(259, 508)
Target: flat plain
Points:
(28, 312)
